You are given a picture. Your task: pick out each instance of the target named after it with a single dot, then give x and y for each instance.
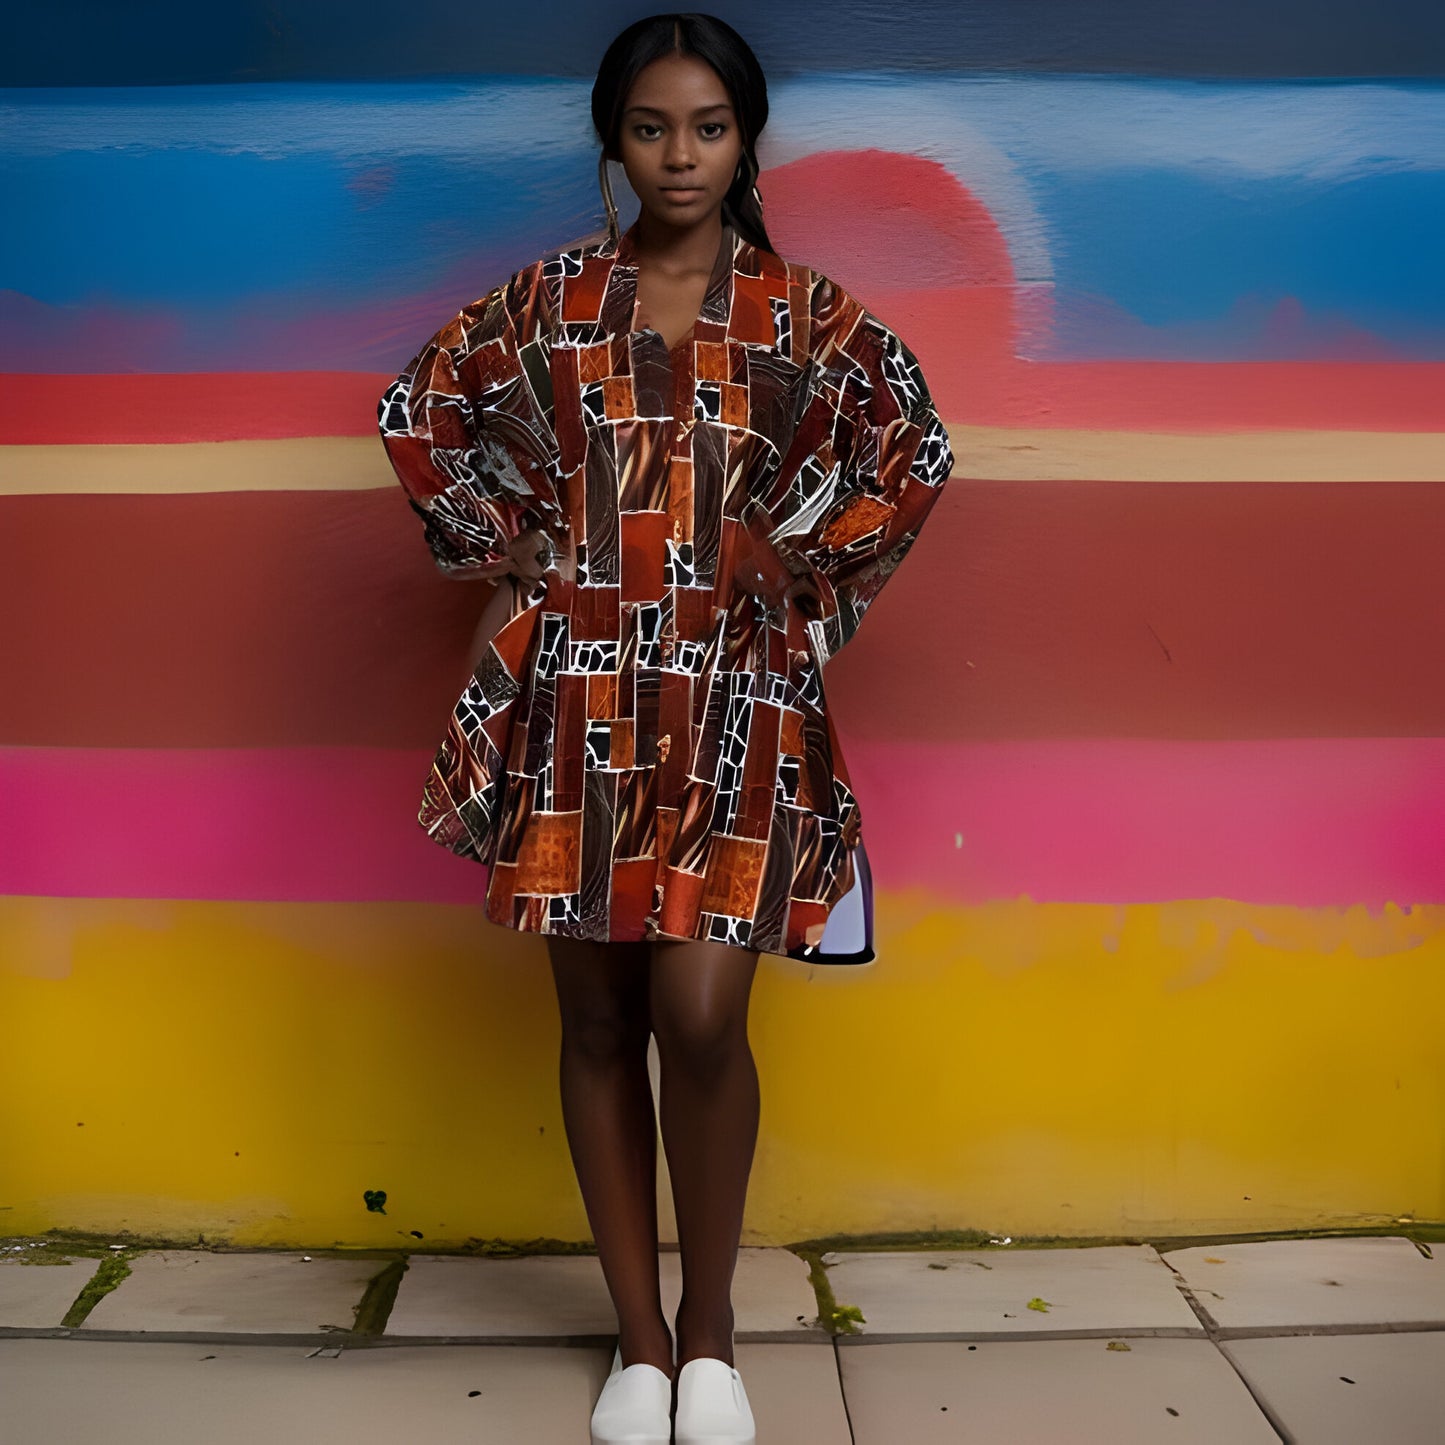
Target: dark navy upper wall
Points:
(180, 42)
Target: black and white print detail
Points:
(458, 542)
(707, 401)
(491, 689)
(782, 325)
(649, 634)
(810, 494)
(722, 928)
(677, 568)
(593, 655)
(732, 753)
(790, 768)
(564, 910)
(391, 410)
(776, 689)
(594, 407)
(563, 263)
(688, 656)
(934, 461)
(809, 684)
(902, 373)
(553, 644)
(598, 744)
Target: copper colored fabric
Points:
(645, 748)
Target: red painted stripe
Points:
(1198, 396)
(1305, 823)
(210, 406)
(1053, 609)
(979, 388)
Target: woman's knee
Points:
(602, 999)
(703, 1041)
(604, 1038)
(700, 1009)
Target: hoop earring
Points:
(605, 181)
(749, 163)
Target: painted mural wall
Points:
(1159, 846)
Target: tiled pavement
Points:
(1327, 1341)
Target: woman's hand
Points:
(532, 553)
(803, 590)
(759, 571)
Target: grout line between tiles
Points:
(908, 1337)
(843, 1392)
(351, 1340)
(1212, 1330)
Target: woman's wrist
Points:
(532, 553)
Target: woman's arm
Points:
(849, 530)
(495, 615)
(471, 447)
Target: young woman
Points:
(694, 464)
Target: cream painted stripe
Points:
(322, 464)
(291, 464)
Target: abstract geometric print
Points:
(645, 749)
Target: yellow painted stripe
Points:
(995, 453)
(1024, 1068)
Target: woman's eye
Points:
(717, 127)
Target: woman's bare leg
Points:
(710, 1108)
(602, 993)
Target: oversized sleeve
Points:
(470, 440)
(884, 460)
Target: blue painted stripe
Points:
(1215, 222)
(1187, 267)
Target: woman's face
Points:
(679, 140)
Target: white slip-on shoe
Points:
(635, 1406)
(712, 1406)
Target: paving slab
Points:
(772, 1294)
(951, 1292)
(1001, 1392)
(1275, 1282)
(64, 1392)
(795, 1393)
(544, 1296)
(553, 1296)
(36, 1296)
(261, 1293)
(1344, 1389)
(128, 1393)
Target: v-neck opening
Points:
(717, 297)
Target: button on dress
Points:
(644, 750)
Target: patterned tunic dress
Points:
(644, 750)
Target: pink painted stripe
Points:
(1308, 822)
(268, 824)
(1303, 822)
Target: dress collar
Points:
(717, 300)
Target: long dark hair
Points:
(716, 42)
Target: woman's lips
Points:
(681, 193)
